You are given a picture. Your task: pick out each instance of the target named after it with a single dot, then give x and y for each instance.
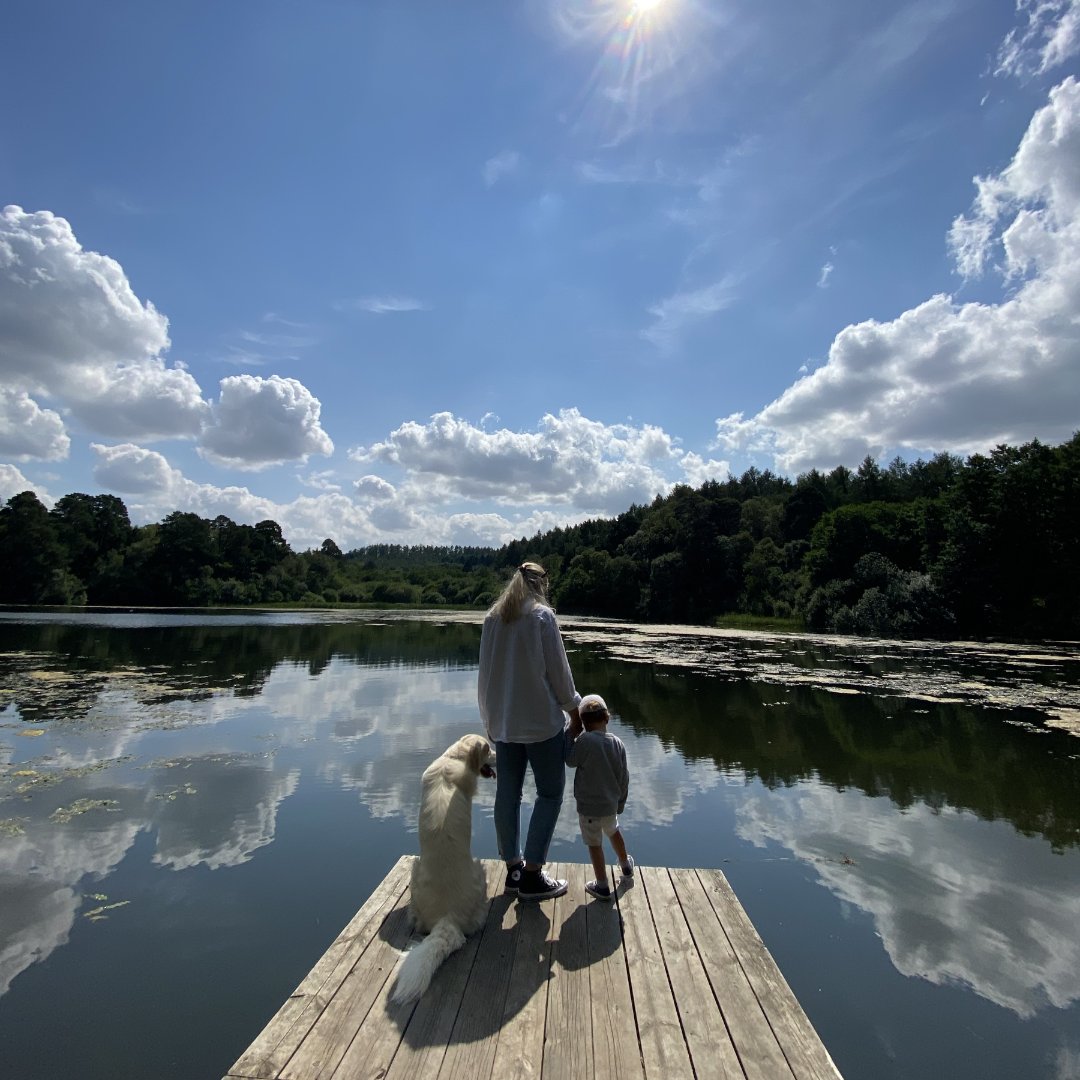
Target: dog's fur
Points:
(448, 887)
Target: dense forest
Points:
(983, 546)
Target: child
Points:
(600, 788)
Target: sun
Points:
(640, 7)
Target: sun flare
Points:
(641, 6)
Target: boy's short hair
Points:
(593, 707)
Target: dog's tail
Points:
(419, 964)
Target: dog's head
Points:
(475, 752)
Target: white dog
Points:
(448, 887)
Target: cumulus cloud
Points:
(1049, 37)
(678, 313)
(12, 482)
(952, 376)
(72, 329)
(144, 401)
(374, 487)
(571, 461)
(479, 530)
(134, 470)
(152, 489)
(259, 422)
(28, 431)
(697, 470)
(504, 164)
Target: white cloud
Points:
(697, 470)
(1050, 36)
(503, 164)
(571, 461)
(259, 422)
(824, 275)
(951, 376)
(320, 481)
(158, 489)
(374, 488)
(144, 401)
(134, 470)
(152, 489)
(479, 530)
(12, 482)
(28, 431)
(382, 305)
(72, 329)
(678, 313)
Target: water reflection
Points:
(921, 786)
(219, 816)
(933, 882)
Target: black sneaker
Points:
(513, 878)
(601, 892)
(536, 885)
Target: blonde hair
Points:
(529, 582)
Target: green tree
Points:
(30, 552)
(91, 528)
(184, 559)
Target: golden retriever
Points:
(448, 890)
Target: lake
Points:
(193, 804)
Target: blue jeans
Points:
(549, 773)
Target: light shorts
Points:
(594, 829)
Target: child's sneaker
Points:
(513, 877)
(601, 892)
(536, 885)
(627, 867)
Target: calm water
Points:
(192, 806)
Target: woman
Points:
(525, 687)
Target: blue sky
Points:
(429, 272)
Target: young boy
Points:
(600, 788)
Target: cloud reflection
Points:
(933, 881)
(228, 815)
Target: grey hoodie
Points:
(602, 780)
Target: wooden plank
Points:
(616, 1052)
(381, 1040)
(804, 1050)
(322, 1049)
(520, 1045)
(669, 981)
(378, 1037)
(428, 1031)
(759, 1053)
(473, 1041)
(568, 1050)
(283, 1034)
(663, 1048)
(706, 1034)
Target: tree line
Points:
(983, 546)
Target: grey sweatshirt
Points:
(602, 781)
(524, 684)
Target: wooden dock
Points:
(670, 980)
